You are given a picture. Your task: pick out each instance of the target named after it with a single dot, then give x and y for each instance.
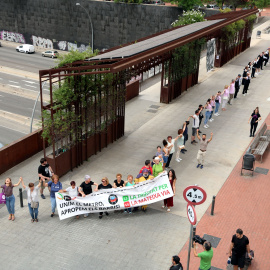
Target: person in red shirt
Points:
(147, 166)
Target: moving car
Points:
(51, 54)
(25, 48)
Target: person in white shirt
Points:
(195, 125)
(32, 199)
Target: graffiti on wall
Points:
(42, 42)
(69, 46)
(11, 36)
(210, 56)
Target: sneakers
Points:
(178, 159)
(198, 165)
(205, 126)
(100, 217)
(215, 114)
(211, 120)
(201, 166)
(42, 196)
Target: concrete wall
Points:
(61, 24)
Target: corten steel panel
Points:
(20, 150)
(132, 90)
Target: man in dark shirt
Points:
(44, 172)
(238, 248)
(86, 187)
(176, 265)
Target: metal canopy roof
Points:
(154, 42)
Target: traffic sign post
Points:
(194, 195)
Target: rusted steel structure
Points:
(95, 115)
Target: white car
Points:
(25, 48)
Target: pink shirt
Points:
(209, 108)
(226, 92)
(218, 98)
(212, 102)
(232, 89)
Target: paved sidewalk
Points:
(243, 202)
(141, 240)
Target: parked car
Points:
(158, 2)
(25, 48)
(51, 54)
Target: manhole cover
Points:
(212, 239)
(154, 106)
(261, 170)
(152, 111)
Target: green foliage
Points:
(226, 10)
(73, 56)
(189, 17)
(188, 4)
(230, 32)
(260, 3)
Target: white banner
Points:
(144, 193)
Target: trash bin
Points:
(248, 163)
(259, 34)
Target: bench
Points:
(260, 142)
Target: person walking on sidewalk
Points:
(206, 256)
(238, 248)
(203, 147)
(231, 91)
(255, 118)
(218, 102)
(32, 199)
(10, 198)
(44, 172)
(237, 85)
(195, 125)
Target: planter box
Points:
(164, 94)
(133, 90)
(189, 81)
(184, 84)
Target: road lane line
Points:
(14, 129)
(13, 82)
(28, 81)
(16, 86)
(31, 86)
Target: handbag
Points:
(33, 204)
(2, 197)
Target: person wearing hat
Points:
(86, 187)
(237, 84)
(141, 177)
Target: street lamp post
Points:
(78, 4)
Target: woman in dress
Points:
(32, 199)
(169, 201)
(255, 118)
(10, 198)
(225, 96)
(105, 184)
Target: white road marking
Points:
(13, 82)
(31, 86)
(28, 81)
(13, 129)
(14, 86)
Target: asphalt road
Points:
(28, 62)
(8, 135)
(21, 82)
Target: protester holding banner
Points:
(10, 199)
(129, 183)
(32, 199)
(118, 182)
(147, 166)
(72, 191)
(157, 167)
(86, 187)
(105, 184)
(169, 201)
(55, 186)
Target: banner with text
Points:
(144, 193)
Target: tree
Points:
(260, 3)
(188, 4)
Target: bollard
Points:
(21, 197)
(193, 234)
(213, 205)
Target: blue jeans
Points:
(53, 204)
(10, 203)
(217, 107)
(33, 211)
(207, 115)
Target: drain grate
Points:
(154, 106)
(152, 111)
(212, 239)
(261, 170)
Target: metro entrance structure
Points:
(94, 115)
